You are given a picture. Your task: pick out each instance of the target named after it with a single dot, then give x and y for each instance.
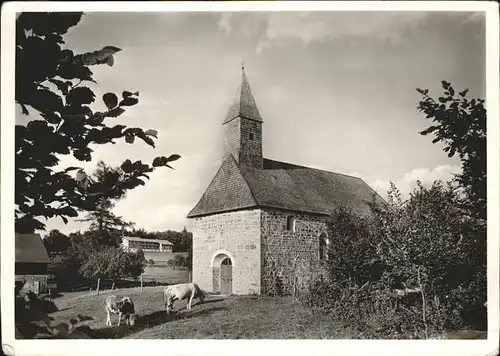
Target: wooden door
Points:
(226, 277)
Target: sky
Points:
(336, 91)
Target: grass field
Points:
(161, 272)
(218, 318)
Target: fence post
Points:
(190, 277)
(141, 282)
(98, 283)
(113, 286)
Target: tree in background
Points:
(113, 263)
(56, 242)
(102, 219)
(460, 123)
(54, 83)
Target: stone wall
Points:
(287, 255)
(237, 141)
(236, 234)
(251, 148)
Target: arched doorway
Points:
(226, 276)
(222, 273)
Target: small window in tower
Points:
(251, 136)
(290, 223)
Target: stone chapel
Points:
(261, 224)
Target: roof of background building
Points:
(30, 249)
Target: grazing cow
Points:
(180, 292)
(124, 307)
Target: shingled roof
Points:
(243, 104)
(284, 186)
(30, 249)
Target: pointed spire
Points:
(243, 104)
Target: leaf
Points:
(148, 140)
(52, 117)
(129, 102)
(75, 71)
(163, 161)
(110, 99)
(173, 158)
(111, 61)
(127, 166)
(68, 211)
(66, 55)
(115, 112)
(46, 100)
(79, 96)
(83, 154)
(102, 56)
(129, 138)
(64, 219)
(126, 94)
(152, 132)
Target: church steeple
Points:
(243, 104)
(243, 127)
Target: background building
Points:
(133, 244)
(31, 263)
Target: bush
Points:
(113, 263)
(66, 269)
(415, 267)
(179, 261)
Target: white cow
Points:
(180, 292)
(124, 306)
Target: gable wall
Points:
(238, 233)
(279, 249)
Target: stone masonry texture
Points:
(288, 255)
(238, 233)
(251, 148)
(247, 151)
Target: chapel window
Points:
(324, 246)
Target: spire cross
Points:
(243, 66)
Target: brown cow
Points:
(123, 307)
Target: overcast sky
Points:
(336, 91)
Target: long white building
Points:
(133, 244)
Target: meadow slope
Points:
(243, 317)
